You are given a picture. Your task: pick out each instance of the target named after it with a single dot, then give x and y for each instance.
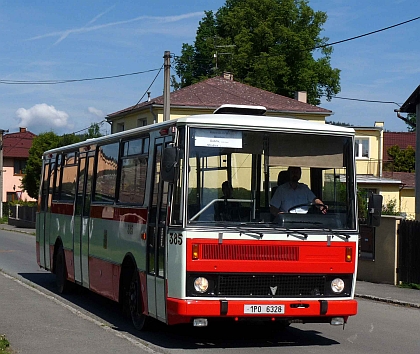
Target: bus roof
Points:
(236, 121)
(265, 122)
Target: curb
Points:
(389, 301)
(28, 232)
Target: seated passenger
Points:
(294, 193)
(282, 178)
(227, 210)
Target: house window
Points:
(120, 127)
(19, 167)
(11, 196)
(141, 122)
(361, 146)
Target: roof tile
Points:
(214, 92)
(402, 139)
(17, 144)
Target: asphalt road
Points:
(35, 319)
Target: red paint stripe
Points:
(182, 311)
(122, 214)
(314, 257)
(62, 208)
(143, 289)
(104, 278)
(69, 264)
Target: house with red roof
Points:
(15, 155)
(205, 96)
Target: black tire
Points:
(61, 272)
(140, 321)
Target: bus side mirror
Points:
(169, 164)
(374, 210)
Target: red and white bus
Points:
(138, 217)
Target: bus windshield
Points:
(232, 175)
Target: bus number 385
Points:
(175, 239)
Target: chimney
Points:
(301, 96)
(22, 130)
(379, 124)
(228, 76)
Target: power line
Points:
(81, 130)
(147, 90)
(362, 100)
(366, 34)
(104, 120)
(54, 82)
(343, 40)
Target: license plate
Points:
(258, 309)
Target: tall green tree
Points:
(268, 44)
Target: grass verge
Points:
(410, 286)
(4, 345)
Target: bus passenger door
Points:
(81, 219)
(156, 239)
(44, 217)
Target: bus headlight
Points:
(201, 284)
(337, 285)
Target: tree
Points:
(40, 144)
(411, 122)
(338, 123)
(403, 160)
(268, 44)
(93, 132)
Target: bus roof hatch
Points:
(240, 109)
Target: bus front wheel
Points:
(140, 321)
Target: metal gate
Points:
(409, 251)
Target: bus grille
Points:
(249, 252)
(272, 285)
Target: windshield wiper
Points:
(248, 232)
(340, 235)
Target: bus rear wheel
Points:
(140, 321)
(61, 271)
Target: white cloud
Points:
(43, 117)
(96, 112)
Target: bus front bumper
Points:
(314, 311)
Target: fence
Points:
(22, 216)
(409, 252)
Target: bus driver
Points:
(294, 193)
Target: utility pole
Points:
(166, 86)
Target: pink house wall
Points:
(11, 180)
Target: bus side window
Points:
(106, 172)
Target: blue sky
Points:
(57, 40)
